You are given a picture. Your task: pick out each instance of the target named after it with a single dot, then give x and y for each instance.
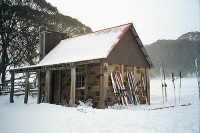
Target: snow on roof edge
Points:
(119, 38)
(94, 45)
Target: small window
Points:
(80, 81)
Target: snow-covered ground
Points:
(48, 118)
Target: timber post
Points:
(26, 88)
(73, 86)
(48, 86)
(12, 87)
(86, 84)
(39, 88)
(60, 86)
(57, 87)
(148, 84)
(103, 85)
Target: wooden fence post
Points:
(73, 86)
(12, 87)
(26, 88)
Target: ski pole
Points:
(174, 86)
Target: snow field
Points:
(48, 118)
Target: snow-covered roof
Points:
(88, 47)
(96, 45)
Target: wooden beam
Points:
(60, 86)
(73, 87)
(103, 86)
(86, 83)
(26, 88)
(39, 88)
(48, 86)
(12, 87)
(57, 87)
(148, 84)
(61, 66)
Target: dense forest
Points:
(175, 55)
(20, 24)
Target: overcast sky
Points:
(152, 19)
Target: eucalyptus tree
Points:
(20, 23)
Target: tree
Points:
(20, 23)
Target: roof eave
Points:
(60, 66)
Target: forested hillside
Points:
(176, 55)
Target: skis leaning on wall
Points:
(133, 88)
(120, 84)
(132, 99)
(119, 88)
(116, 92)
(144, 83)
(120, 92)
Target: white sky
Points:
(153, 19)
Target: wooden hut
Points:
(80, 68)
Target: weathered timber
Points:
(103, 86)
(148, 84)
(26, 88)
(57, 86)
(48, 86)
(86, 84)
(12, 87)
(39, 88)
(73, 87)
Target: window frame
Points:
(80, 81)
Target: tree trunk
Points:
(4, 64)
(12, 87)
(39, 88)
(26, 88)
(3, 78)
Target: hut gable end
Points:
(128, 52)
